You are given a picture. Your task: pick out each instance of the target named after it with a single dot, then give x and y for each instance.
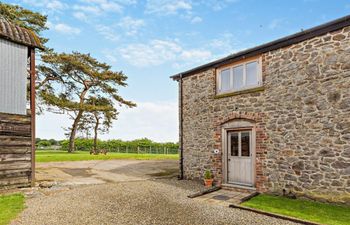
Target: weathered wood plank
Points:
(14, 149)
(6, 172)
(14, 181)
(14, 173)
(14, 141)
(10, 118)
(15, 165)
(14, 157)
(9, 129)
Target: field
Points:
(303, 209)
(58, 156)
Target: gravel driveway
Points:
(152, 201)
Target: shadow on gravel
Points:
(77, 172)
(186, 185)
(149, 169)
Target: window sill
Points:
(251, 90)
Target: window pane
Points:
(225, 80)
(245, 144)
(234, 144)
(238, 77)
(252, 73)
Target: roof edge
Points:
(20, 35)
(273, 45)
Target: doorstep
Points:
(238, 188)
(224, 197)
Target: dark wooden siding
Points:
(15, 150)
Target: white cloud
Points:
(87, 9)
(51, 5)
(224, 42)
(217, 5)
(196, 19)
(158, 52)
(107, 32)
(155, 120)
(100, 7)
(167, 7)
(154, 53)
(63, 28)
(131, 25)
(195, 55)
(80, 16)
(173, 52)
(110, 56)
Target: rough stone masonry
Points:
(302, 115)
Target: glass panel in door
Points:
(234, 144)
(245, 143)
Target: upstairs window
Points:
(239, 77)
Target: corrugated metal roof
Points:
(279, 43)
(19, 34)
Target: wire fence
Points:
(144, 150)
(125, 149)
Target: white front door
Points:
(239, 158)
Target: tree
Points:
(44, 143)
(104, 116)
(99, 118)
(77, 77)
(24, 18)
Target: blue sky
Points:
(152, 39)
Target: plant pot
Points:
(208, 182)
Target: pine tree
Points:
(72, 80)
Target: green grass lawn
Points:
(56, 156)
(10, 207)
(302, 209)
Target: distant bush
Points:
(143, 145)
(43, 143)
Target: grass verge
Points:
(10, 207)
(58, 156)
(302, 209)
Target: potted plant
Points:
(208, 178)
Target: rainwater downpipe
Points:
(181, 176)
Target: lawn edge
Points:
(275, 215)
(11, 192)
(140, 159)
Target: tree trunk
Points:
(74, 131)
(96, 132)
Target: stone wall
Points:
(302, 114)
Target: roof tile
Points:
(18, 34)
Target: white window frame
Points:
(230, 67)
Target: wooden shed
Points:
(17, 105)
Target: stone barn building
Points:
(274, 118)
(17, 105)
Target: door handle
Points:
(229, 159)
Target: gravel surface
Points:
(162, 201)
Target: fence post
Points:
(138, 149)
(126, 149)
